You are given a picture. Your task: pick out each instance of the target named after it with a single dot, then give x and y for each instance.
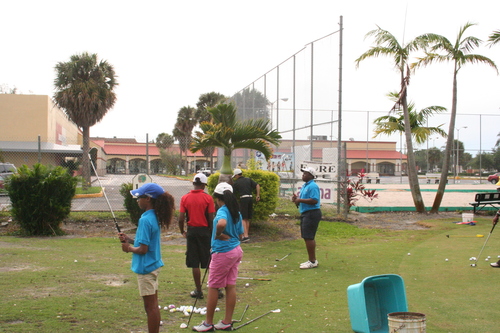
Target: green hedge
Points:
(41, 198)
(130, 203)
(269, 191)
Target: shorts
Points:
(246, 208)
(309, 222)
(148, 283)
(198, 247)
(224, 268)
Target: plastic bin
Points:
(467, 217)
(372, 299)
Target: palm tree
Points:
(186, 121)
(494, 38)
(205, 101)
(85, 91)
(443, 50)
(387, 44)
(164, 141)
(226, 132)
(391, 124)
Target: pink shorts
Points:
(224, 268)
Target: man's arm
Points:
(257, 190)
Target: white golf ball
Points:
(76, 260)
(446, 259)
(409, 253)
(217, 309)
(486, 259)
(203, 312)
(247, 284)
(473, 265)
(183, 325)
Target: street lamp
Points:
(277, 112)
(458, 152)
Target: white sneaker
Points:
(308, 264)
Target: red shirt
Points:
(196, 204)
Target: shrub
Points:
(269, 190)
(41, 198)
(130, 203)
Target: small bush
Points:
(269, 190)
(41, 198)
(130, 203)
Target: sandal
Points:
(196, 294)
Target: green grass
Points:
(43, 289)
(90, 190)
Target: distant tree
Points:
(6, 89)
(164, 141)
(459, 53)
(251, 104)
(85, 91)
(183, 129)
(226, 132)
(171, 160)
(435, 157)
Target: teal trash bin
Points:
(372, 299)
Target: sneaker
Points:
(308, 264)
(221, 294)
(495, 264)
(245, 239)
(204, 328)
(223, 327)
(196, 294)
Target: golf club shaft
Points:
(242, 315)
(284, 257)
(252, 320)
(487, 238)
(105, 196)
(196, 298)
(251, 278)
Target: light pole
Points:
(457, 166)
(277, 111)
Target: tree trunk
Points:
(226, 171)
(447, 153)
(85, 158)
(412, 166)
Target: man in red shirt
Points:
(197, 208)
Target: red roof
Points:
(375, 154)
(136, 150)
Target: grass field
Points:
(69, 284)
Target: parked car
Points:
(494, 178)
(7, 169)
(207, 172)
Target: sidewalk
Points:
(397, 197)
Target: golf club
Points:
(251, 278)
(242, 315)
(105, 196)
(486, 241)
(463, 236)
(256, 318)
(196, 298)
(284, 257)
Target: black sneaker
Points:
(196, 294)
(495, 264)
(245, 239)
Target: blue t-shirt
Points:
(234, 230)
(148, 233)
(309, 190)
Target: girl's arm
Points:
(142, 249)
(221, 225)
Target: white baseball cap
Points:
(202, 177)
(221, 187)
(310, 170)
(237, 172)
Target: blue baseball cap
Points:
(152, 190)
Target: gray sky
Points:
(167, 53)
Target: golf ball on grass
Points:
(446, 259)
(247, 284)
(184, 325)
(486, 259)
(473, 265)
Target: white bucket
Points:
(406, 322)
(467, 217)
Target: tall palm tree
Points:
(164, 140)
(391, 124)
(443, 50)
(494, 38)
(85, 91)
(226, 132)
(387, 44)
(186, 121)
(205, 101)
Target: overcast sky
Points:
(167, 53)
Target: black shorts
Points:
(198, 247)
(309, 222)
(246, 208)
